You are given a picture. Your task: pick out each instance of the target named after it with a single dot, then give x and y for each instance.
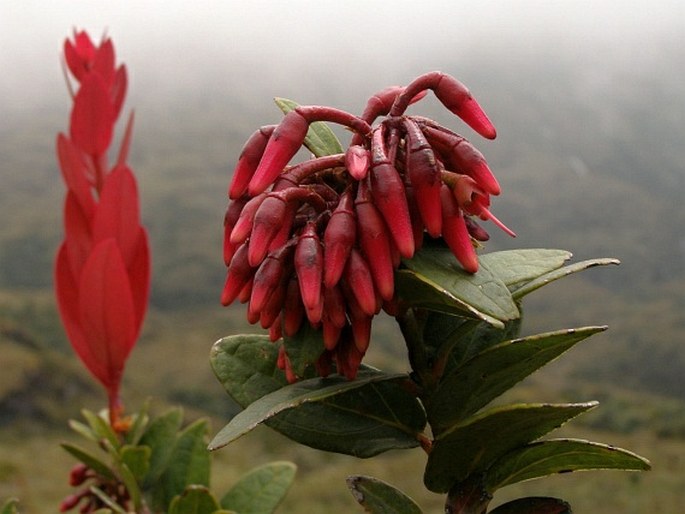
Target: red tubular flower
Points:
(344, 222)
(102, 270)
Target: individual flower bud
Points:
(268, 277)
(389, 197)
(374, 241)
(339, 238)
(424, 175)
(358, 277)
(309, 266)
(238, 275)
(267, 222)
(243, 225)
(455, 233)
(282, 146)
(248, 161)
(357, 161)
(78, 474)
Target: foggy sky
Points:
(172, 44)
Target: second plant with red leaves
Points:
(318, 242)
(102, 273)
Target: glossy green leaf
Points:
(137, 459)
(160, 437)
(328, 391)
(534, 505)
(89, 460)
(472, 445)
(435, 280)
(458, 339)
(195, 499)
(245, 365)
(261, 490)
(519, 266)
(370, 418)
(468, 388)
(320, 139)
(547, 278)
(378, 497)
(553, 456)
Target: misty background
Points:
(588, 98)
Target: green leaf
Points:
(374, 417)
(544, 458)
(195, 499)
(83, 430)
(190, 460)
(434, 280)
(534, 505)
(261, 490)
(320, 139)
(140, 422)
(457, 339)
(89, 460)
(547, 278)
(468, 388)
(378, 497)
(101, 428)
(10, 506)
(514, 267)
(160, 437)
(304, 349)
(124, 474)
(245, 365)
(137, 459)
(472, 445)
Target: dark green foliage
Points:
(460, 331)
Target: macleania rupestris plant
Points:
(336, 227)
(319, 247)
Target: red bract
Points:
(102, 271)
(351, 217)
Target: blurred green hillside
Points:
(590, 160)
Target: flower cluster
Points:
(110, 488)
(319, 241)
(102, 272)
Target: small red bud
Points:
(357, 160)
(284, 143)
(339, 238)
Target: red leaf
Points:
(80, 54)
(104, 61)
(92, 117)
(125, 142)
(139, 278)
(118, 213)
(118, 89)
(75, 173)
(78, 238)
(67, 297)
(106, 312)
